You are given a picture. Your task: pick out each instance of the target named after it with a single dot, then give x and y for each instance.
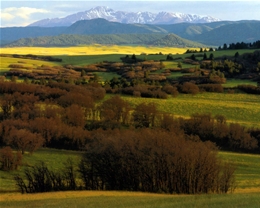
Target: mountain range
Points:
(211, 34)
(102, 25)
(125, 17)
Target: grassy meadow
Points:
(53, 158)
(101, 199)
(28, 63)
(236, 82)
(240, 108)
(246, 194)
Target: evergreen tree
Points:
(205, 56)
(193, 57)
(211, 56)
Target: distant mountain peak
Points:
(125, 17)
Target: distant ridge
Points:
(169, 40)
(125, 17)
(172, 40)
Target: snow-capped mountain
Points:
(125, 17)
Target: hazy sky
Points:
(22, 13)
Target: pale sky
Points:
(23, 13)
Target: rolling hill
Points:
(169, 40)
(231, 33)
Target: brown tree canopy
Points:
(115, 109)
(23, 140)
(153, 161)
(144, 115)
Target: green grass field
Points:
(28, 63)
(53, 158)
(101, 199)
(247, 172)
(247, 193)
(240, 108)
(236, 82)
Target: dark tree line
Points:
(34, 57)
(240, 45)
(145, 160)
(153, 161)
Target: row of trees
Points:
(240, 45)
(62, 116)
(144, 160)
(188, 85)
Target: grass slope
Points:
(29, 63)
(247, 172)
(94, 199)
(53, 158)
(238, 108)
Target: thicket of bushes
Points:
(153, 161)
(144, 160)
(249, 89)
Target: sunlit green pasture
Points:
(239, 108)
(248, 169)
(27, 64)
(226, 53)
(53, 158)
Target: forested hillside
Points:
(112, 39)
